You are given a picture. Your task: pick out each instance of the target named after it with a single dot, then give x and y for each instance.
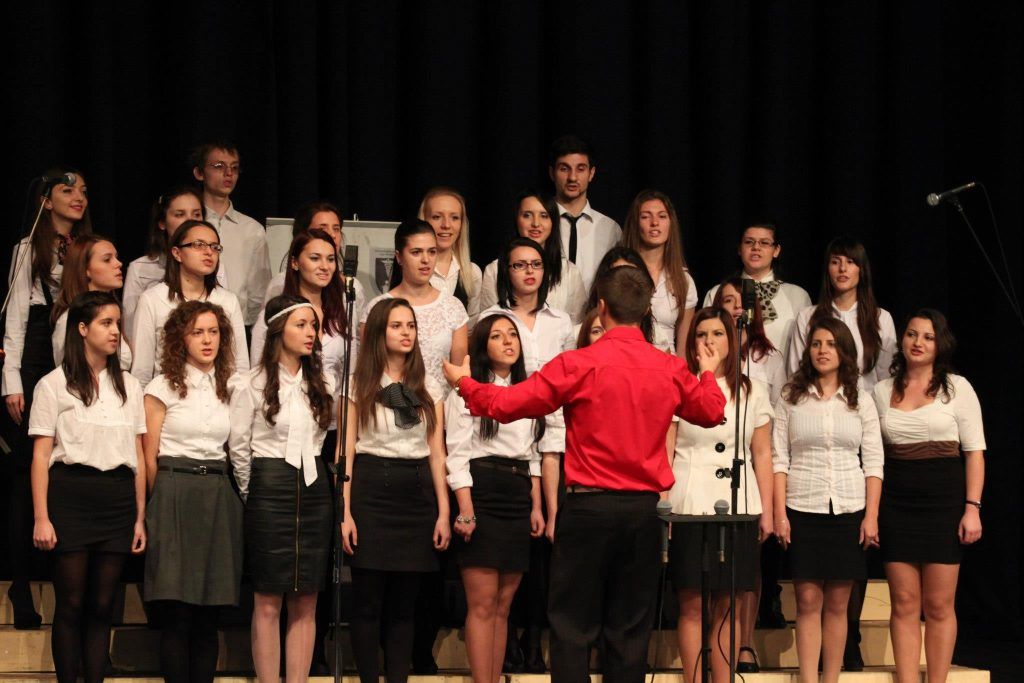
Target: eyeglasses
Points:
(221, 167)
(764, 244)
(520, 266)
(200, 245)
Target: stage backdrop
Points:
(824, 117)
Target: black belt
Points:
(202, 470)
(512, 468)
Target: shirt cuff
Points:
(41, 431)
(12, 381)
(780, 469)
(460, 480)
(535, 469)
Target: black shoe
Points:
(852, 660)
(534, 658)
(515, 662)
(748, 667)
(424, 666)
(25, 616)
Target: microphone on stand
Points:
(936, 198)
(664, 509)
(721, 508)
(748, 299)
(68, 179)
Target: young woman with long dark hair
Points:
(827, 458)
(194, 560)
(88, 482)
(536, 218)
(91, 265)
(280, 413)
(494, 471)
(191, 275)
(931, 499)
(699, 455)
(37, 267)
(396, 513)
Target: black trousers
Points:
(604, 579)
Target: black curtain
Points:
(825, 117)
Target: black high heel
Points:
(748, 667)
(25, 616)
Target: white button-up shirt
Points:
(25, 292)
(155, 306)
(101, 435)
(788, 302)
(196, 426)
(886, 329)
(295, 436)
(665, 309)
(816, 442)
(448, 283)
(595, 235)
(462, 435)
(245, 259)
(385, 439)
(568, 295)
(143, 273)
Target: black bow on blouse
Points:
(403, 402)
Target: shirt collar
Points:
(195, 377)
(852, 311)
(587, 211)
(767, 278)
(628, 333)
(501, 381)
(230, 214)
(812, 389)
(286, 379)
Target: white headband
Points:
(286, 311)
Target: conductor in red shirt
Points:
(619, 396)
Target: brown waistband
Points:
(922, 450)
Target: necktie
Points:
(572, 234)
(766, 291)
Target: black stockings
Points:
(188, 641)
(372, 592)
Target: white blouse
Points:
(955, 419)
(385, 439)
(436, 322)
(665, 309)
(462, 435)
(816, 442)
(25, 292)
(446, 284)
(568, 295)
(886, 329)
(155, 306)
(769, 370)
(700, 453)
(196, 426)
(101, 435)
(788, 302)
(552, 334)
(60, 329)
(143, 273)
(295, 436)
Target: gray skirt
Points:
(194, 522)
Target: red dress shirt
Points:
(619, 396)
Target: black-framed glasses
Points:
(200, 245)
(750, 243)
(520, 266)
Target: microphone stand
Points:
(734, 485)
(340, 476)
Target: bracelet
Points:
(975, 503)
(459, 519)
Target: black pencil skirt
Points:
(288, 528)
(826, 547)
(92, 509)
(919, 514)
(685, 556)
(394, 508)
(501, 503)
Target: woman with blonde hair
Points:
(445, 209)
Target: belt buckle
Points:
(201, 470)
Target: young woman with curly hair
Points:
(280, 413)
(826, 497)
(194, 517)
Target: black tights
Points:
(188, 641)
(372, 591)
(85, 584)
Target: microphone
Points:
(664, 509)
(49, 183)
(934, 199)
(748, 298)
(721, 508)
(350, 261)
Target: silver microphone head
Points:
(933, 199)
(663, 508)
(721, 507)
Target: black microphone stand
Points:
(339, 466)
(737, 465)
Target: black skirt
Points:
(685, 557)
(394, 508)
(288, 528)
(194, 522)
(825, 547)
(501, 503)
(919, 514)
(36, 363)
(91, 509)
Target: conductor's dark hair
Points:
(626, 291)
(570, 144)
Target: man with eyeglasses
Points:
(780, 301)
(246, 258)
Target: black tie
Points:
(572, 234)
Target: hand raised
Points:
(453, 373)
